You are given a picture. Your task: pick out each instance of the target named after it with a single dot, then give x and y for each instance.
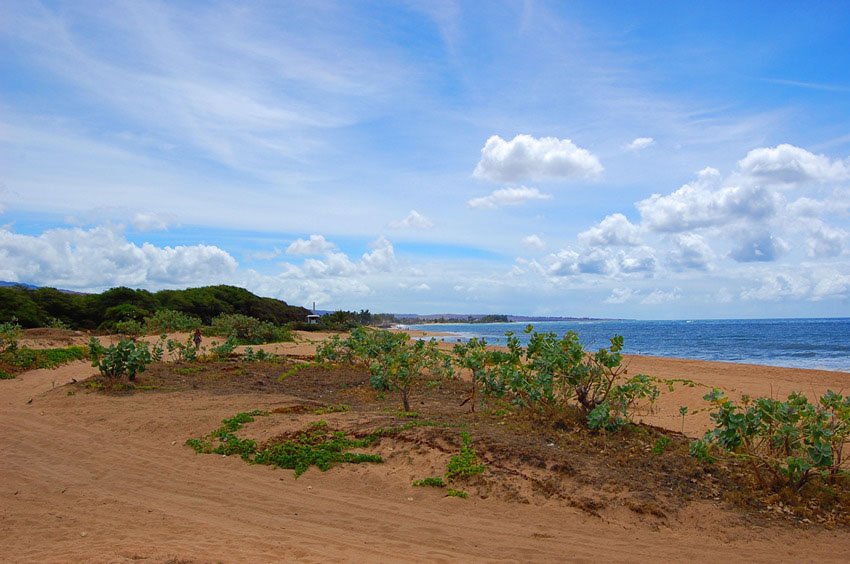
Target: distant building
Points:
(313, 319)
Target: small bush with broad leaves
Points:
(786, 443)
(395, 362)
(126, 358)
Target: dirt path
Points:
(88, 477)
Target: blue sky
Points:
(615, 159)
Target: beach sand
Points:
(90, 477)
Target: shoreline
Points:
(443, 335)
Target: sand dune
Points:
(89, 477)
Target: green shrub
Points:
(395, 363)
(127, 358)
(224, 349)
(555, 373)
(316, 446)
(786, 444)
(248, 330)
(178, 351)
(129, 327)
(169, 320)
(430, 482)
(10, 332)
(465, 464)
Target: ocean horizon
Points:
(812, 343)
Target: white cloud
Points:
(700, 204)
(831, 285)
(621, 296)
(381, 258)
(690, 251)
(149, 221)
(264, 255)
(304, 291)
(837, 203)
(615, 229)
(787, 164)
(533, 242)
(662, 297)
(527, 158)
(811, 285)
(316, 245)
(334, 264)
(101, 257)
(421, 287)
(413, 220)
(640, 260)
(825, 241)
(640, 143)
(779, 286)
(508, 197)
(600, 261)
(761, 247)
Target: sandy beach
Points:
(105, 478)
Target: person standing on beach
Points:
(196, 338)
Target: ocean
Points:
(798, 343)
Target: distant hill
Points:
(4, 284)
(38, 307)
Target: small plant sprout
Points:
(683, 411)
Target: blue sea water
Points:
(799, 343)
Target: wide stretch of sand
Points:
(90, 477)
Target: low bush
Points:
(169, 320)
(10, 332)
(127, 358)
(785, 444)
(395, 362)
(318, 446)
(248, 330)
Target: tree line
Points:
(46, 307)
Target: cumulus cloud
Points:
(762, 247)
(690, 251)
(662, 297)
(332, 265)
(149, 221)
(101, 257)
(413, 220)
(831, 285)
(812, 285)
(381, 258)
(533, 242)
(787, 164)
(600, 261)
(527, 158)
(336, 264)
(640, 143)
(316, 245)
(700, 204)
(824, 241)
(778, 286)
(302, 290)
(621, 296)
(508, 197)
(615, 229)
